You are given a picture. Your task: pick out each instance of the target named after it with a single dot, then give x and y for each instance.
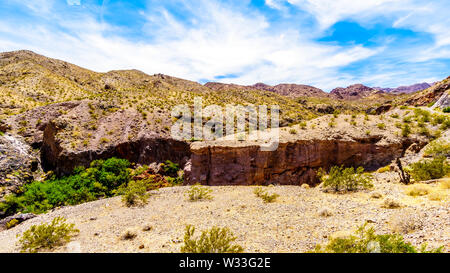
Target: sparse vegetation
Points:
(366, 241)
(47, 236)
(429, 169)
(406, 222)
(381, 126)
(100, 180)
(418, 190)
(264, 195)
(345, 179)
(12, 223)
(198, 192)
(384, 169)
(406, 130)
(215, 240)
(438, 148)
(391, 203)
(135, 193)
(170, 169)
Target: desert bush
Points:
(170, 169)
(418, 190)
(100, 180)
(198, 192)
(384, 169)
(391, 203)
(366, 241)
(438, 148)
(406, 222)
(135, 193)
(445, 124)
(264, 195)
(406, 130)
(12, 223)
(381, 126)
(47, 236)
(376, 195)
(345, 179)
(215, 240)
(429, 169)
(325, 212)
(128, 235)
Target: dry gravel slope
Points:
(292, 224)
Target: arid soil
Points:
(294, 223)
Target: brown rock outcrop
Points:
(291, 164)
(94, 130)
(298, 157)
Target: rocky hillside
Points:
(288, 90)
(406, 89)
(64, 116)
(430, 95)
(353, 92)
(371, 142)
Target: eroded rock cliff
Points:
(298, 157)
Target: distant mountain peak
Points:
(406, 89)
(352, 92)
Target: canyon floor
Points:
(291, 224)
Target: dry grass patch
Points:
(406, 222)
(445, 184)
(418, 190)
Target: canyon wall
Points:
(293, 163)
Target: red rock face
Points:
(291, 164)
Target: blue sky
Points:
(325, 43)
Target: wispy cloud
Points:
(203, 39)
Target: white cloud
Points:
(328, 12)
(73, 2)
(219, 41)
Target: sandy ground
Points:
(291, 224)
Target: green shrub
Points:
(345, 179)
(445, 125)
(100, 180)
(12, 223)
(438, 119)
(170, 169)
(175, 181)
(215, 240)
(381, 126)
(135, 193)
(438, 148)
(446, 110)
(422, 115)
(406, 130)
(429, 169)
(265, 196)
(47, 236)
(366, 241)
(198, 192)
